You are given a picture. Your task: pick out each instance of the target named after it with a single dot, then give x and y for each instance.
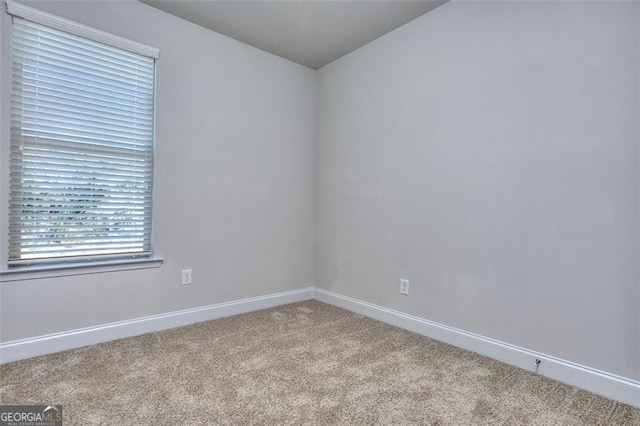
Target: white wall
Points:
(489, 153)
(234, 179)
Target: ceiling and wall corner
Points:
(491, 67)
(311, 33)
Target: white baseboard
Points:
(600, 382)
(27, 348)
(596, 381)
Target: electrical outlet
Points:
(404, 287)
(187, 277)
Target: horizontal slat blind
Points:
(81, 148)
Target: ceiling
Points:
(309, 32)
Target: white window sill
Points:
(66, 269)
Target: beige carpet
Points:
(304, 363)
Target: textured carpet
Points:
(301, 363)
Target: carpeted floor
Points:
(304, 363)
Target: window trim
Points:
(77, 268)
(81, 30)
(60, 269)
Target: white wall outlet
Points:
(187, 277)
(404, 287)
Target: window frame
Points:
(70, 267)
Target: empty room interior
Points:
(320, 212)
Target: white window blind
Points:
(81, 148)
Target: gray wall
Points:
(234, 179)
(488, 152)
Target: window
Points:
(81, 149)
